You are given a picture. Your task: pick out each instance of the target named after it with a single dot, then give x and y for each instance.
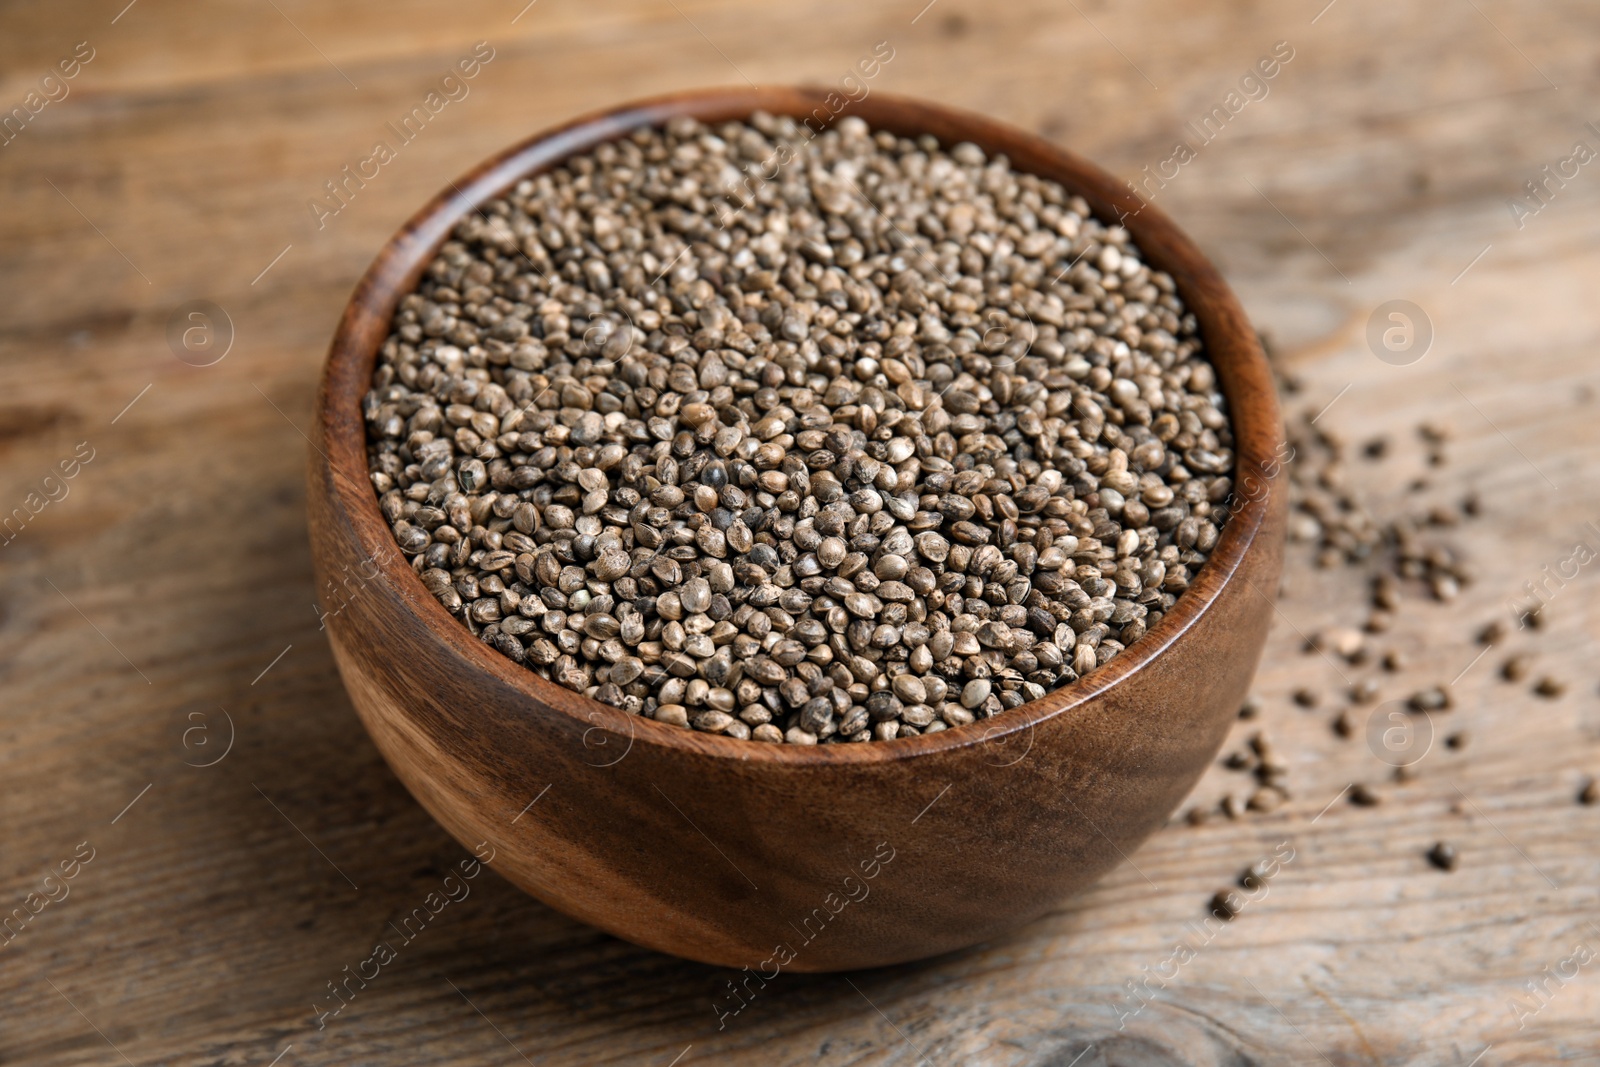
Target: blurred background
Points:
(1408, 209)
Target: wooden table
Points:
(164, 603)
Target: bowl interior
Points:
(1231, 345)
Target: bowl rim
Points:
(339, 452)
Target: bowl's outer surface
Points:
(778, 856)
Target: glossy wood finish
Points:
(723, 850)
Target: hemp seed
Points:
(880, 440)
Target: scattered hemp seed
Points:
(1458, 740)
(1327, 516)
(1271, 768)
(1239, 761)
(1225, 905)
(714, 441)
(1590, 793)
(1550, 688)
(1364, 691)
(1435, 698)
(1266, 799)
(1345, 641)
(1516, 667)
(1443, 856)
(1344, 725)
(1362, 796)
(1258, 874)
(1394, 660)
(1306, 698)
(1198, 816)
(1250, 708)
(1434, 433)
(1492, 634)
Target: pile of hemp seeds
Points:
(798, 438)
(1388, 560)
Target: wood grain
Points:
(207, 925)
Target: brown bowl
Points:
(782, 856)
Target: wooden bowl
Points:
(779, 857)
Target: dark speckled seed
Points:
(1443, 855)
(734, 495)
(1363, 796)
(601, 626)
(611, 565)
(695, 595)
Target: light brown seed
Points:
(1435, 698)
